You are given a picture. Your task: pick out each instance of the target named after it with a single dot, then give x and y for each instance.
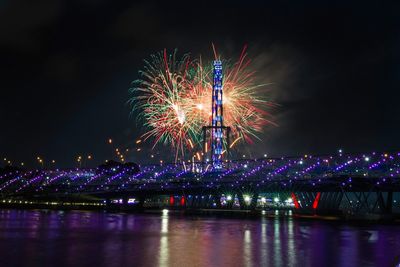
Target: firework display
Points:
(174, 99)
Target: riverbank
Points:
(233, 213)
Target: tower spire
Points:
(217, 116)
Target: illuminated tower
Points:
(216, 136)
(217, 116)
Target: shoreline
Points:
(223, 213)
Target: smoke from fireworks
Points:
(174, 95)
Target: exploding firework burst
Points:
(173, 97)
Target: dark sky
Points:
(66, 67)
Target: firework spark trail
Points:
(174, 98)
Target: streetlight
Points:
(40, 161)
(247, 199)
(79, 160)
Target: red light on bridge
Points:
(316, 201)
(183, 200)
(295, 202)
(171, 200)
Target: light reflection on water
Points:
(78, 238)
(163, 251)
(247, 249)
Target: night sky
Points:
(66, 67)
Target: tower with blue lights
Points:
(217, 134)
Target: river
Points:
(48, 238)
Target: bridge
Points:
(349, 185)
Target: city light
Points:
(179, 177)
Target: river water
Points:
(92, 238)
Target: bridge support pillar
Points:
(253, 202)
(217, 200)
(195, 200)
(210, 201)
(389, 203)
(229, 203)
(140, 203)
(241, 201)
